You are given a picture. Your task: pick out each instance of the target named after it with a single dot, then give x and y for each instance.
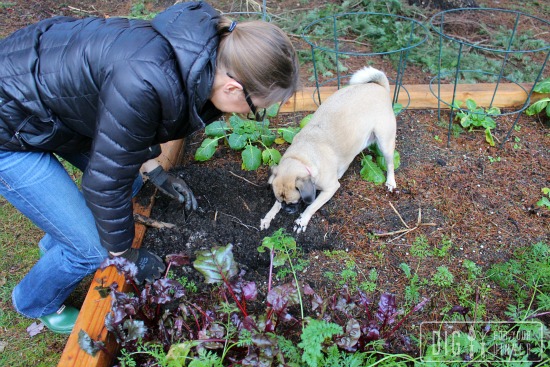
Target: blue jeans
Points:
(37, 185)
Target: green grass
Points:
(18, 253)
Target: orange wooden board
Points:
(421, 97)
(91, 318)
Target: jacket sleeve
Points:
(129, 114)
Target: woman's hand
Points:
(173, 186)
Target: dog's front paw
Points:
(300, 225)
(264, 223)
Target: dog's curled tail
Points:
(369, 74)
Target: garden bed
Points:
(480, 198)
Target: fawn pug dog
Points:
(344, 125)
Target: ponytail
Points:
(261, 56)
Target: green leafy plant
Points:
(519, 339)
(542, 104)
(326, 63)
(472, 268)
(412, 290)
(373, 166)
(140, 10)
(420, 247)
(545, 200)
(477, 117)
(443, 277)
(446, 244)
(313, 338)
(282, 250)
(529, 269)
(517, 141)
(247, 136)
(351, 276)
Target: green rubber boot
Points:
(62, 321)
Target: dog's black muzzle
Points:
(291, 208)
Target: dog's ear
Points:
(307, 189)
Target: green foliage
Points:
(206, 358)
(326, 63)
(420, 247)
(313, 337)
(216, 264)
(397, 108)
(292, 353)
(412, 290)
(370, 171)
(285, 251)
(477, 117)
(369, 285)
(350, 276)
(443, 277)
(282, 245)
(443, 251)
(247, 136)
(178, 353)
(472, 268)
(544, 103)
(372, 168)
(304, 121)
(527, 271)
(152, 350)
(337, 358)
(139, 10)
(545, 200)
(300, 264)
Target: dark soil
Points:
(487, 209)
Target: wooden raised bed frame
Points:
(94, 309)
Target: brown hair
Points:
(261, 57)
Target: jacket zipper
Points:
(20, 140)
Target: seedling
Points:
(443, 251)
(420, 247)
(477, 117)
(443, 277)
(472, 268)
(517, 144)
(545, 200)
(412, 292)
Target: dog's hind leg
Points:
(387, 148)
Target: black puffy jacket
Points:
(114, 87)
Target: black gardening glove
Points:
(174, 187)
(150, 266)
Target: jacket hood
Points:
(191, 30)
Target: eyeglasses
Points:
(256, 114)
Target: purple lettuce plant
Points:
(159, 323)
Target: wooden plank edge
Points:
(419, 96)
(92, 314)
